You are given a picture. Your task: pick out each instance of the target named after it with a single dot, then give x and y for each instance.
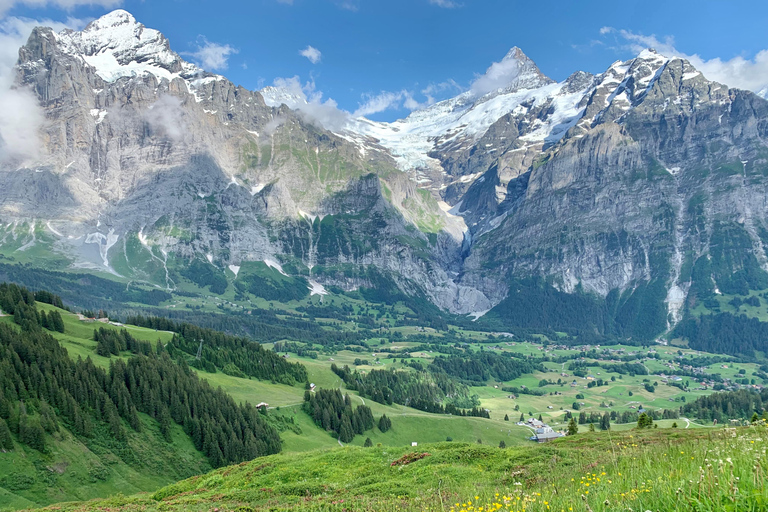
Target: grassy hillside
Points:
(638, 470)
(72, 469)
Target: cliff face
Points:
(619, 185)
(641, 187)
(150, 161)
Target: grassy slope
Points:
(409, 425)
(639, 470)
(73, 470)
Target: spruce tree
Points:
(6, 441)
(368, 443)
(605, 422)
(502, 444)
(573, 428)
(384, 423)
(644, 421)
(591, 427)
(522, 418)
(506, 417)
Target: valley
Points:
(585, 382)
(526, 291)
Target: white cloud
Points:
(212, 56)
(6, 5)
(21, 116)
(497, 76)
(166, 117)
(433, 89)
(446, 4)
(313, 54)
(378, 103)
(743, 73)
(309, 103)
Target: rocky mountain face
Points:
(636, 188)
(151, 163)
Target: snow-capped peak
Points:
(116, 45)
(275, 96)
(516, 71)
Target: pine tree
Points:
(368, 443)
(44, 320)
(522, 418)
(502, 444)
(540, 419)
(506, 417)
(674, 424)
(755, 418)
(345, 431)
(605, 422)
(644, 421)
(384, 423)
(55, 321)
(591, 427)
(6, 441)
(573, 428)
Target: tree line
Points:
(334, 412)
(220, 350)
(41, 387)
(482, 366)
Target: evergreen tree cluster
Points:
(260, 324)
(220, 350)
(333, 411)
(40, 387)
(724, 333)
(20, 302)
(170, 391)
(384, 423)
(424, 391)
(483, 366)
(727, 405)
(111, 342)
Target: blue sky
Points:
(381, 54)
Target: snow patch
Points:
(257, 188)
(48, 225)
(209, 257)
(478, 314)
(235, 269)
(105, 243)
(316, 288)
(275, 265)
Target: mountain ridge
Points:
(457, 192)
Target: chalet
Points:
(262, 404)
(546, 434)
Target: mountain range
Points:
(615, 203)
